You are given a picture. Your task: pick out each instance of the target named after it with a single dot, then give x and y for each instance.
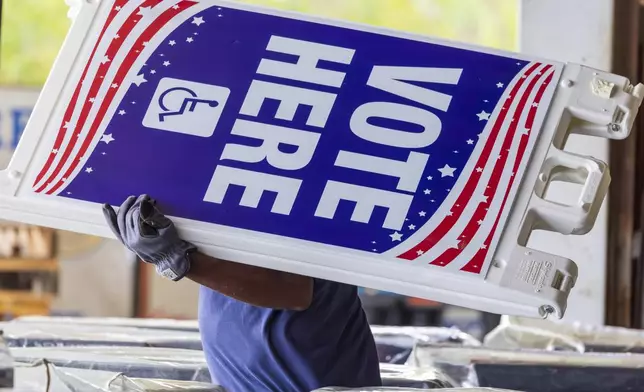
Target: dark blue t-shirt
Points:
(252, 349)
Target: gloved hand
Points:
(144, 230)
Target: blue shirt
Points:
(252, 349)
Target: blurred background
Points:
(65, 273)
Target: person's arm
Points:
(143, 229)
(253, 285)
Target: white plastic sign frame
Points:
(335, 150)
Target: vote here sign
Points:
(353, 138)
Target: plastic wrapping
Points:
(39, 376)
(6, 366)
(511, 333)
(395, 344)
(30, 334)
(169, 324)
(387, 389)
(401, 376)
(518, 337)
(537, 370)
(135, 362)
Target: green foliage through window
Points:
(33, 30)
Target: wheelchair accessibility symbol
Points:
(188, 103)
(186, 107)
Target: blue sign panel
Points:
(283, 126)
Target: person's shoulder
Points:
(328, 284)
(328, 290)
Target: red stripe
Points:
(438, 233)
(112, 50)
(147, 35)
(70, 108)
(481, 211)
(476, 264)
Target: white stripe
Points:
(452, 236)
(470, 166)
(101, 49)
(123, 51)
(481, 235)
(155, 42)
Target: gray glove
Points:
(144, 230)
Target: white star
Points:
(54, 151)
(422, 213)
(455, 152)
(447, 171)
(92, 100)
(427, 191)
(483, 246)
(484, 116)
(105, 60)
(499, 85)
(117, 36)
(430, 178)
(107, 138)
(420, 253)
(455, 244)
(470, 141)
(117, 8)
(189, 39)
(67, 125)
(143, 11)
(479, 169)
(220, 15)
(121, 112)
(115, 85)
(518, 63)
(396, 236)
(450, 213)
(373, 242)
(525, 131)
(480, 222)
(65, 179)
(139, 79)
(198, 21)
(89, 170)
(175, 7)
(535, 105)
(485, 100)
(412, 227)
(432, 201)
(166, 63)
(172, 43)
(483, 199)
(153, 71)
(103, 153)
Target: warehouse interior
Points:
(82, 313)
